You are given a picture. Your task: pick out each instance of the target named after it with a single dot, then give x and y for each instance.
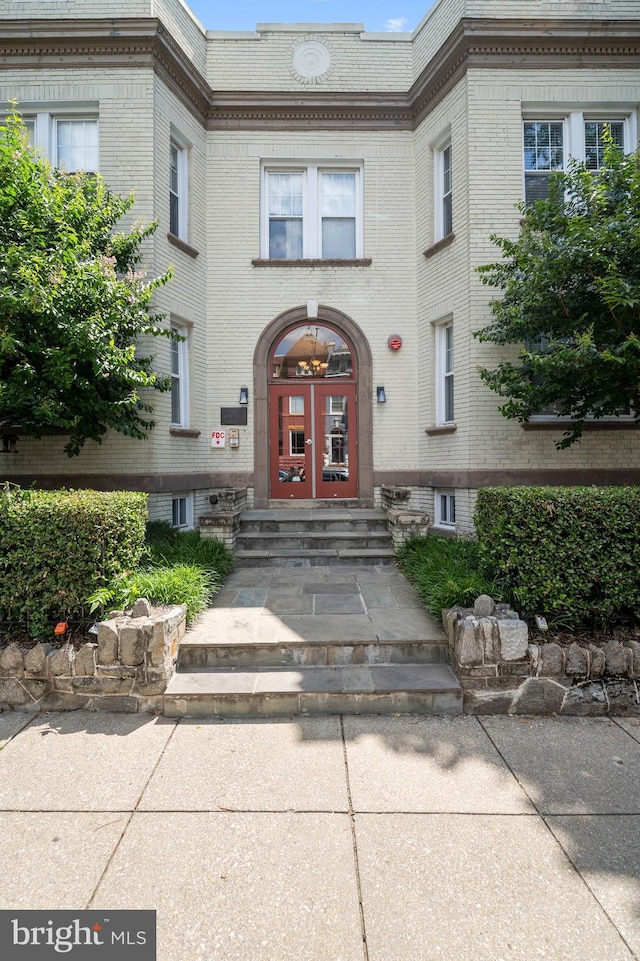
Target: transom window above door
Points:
(312, 351)
(312, 212)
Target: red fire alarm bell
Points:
(395, 342)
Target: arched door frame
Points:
(273, 332)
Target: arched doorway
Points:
(312, 384)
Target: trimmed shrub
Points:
(57, 547)
(444, 571)
(167, 546)
(569, 553)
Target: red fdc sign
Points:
(218, 438)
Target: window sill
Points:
(182, 245)
(313, 262)
(441, 429)
(184, 432)
(439, 245)
(590, 425)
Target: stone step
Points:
(200, 655)
(311, 540)
(345, 557)
(305, 519)
(349, 689)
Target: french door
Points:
(313, 448)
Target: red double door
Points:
(313, 448)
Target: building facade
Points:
(325, 195)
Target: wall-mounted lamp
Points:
(244, 395)
(382, 397)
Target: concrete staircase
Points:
(320, 641)
(313, 537)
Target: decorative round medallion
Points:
(311, 61)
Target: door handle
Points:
(309, 442)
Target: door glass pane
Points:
(291, 439)
(312, 350)
(335, 452)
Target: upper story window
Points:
(177, 190)
(445, 413)
(548, 143)
(69, 141)
(312, 212)
(543, 153)
(444, 193)
(179, 376)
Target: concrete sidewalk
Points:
(332, 838)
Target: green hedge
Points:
(569, 553)
(58, 547)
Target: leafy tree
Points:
(571, 285)
(72, 303)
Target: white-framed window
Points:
(445, 411)
(444, 513)
(182, 512)
(69, 138)
(296, 442)
(310, 212)
(178, 197)
(548, 142)
(337, 404)
(296, 405)
(179, 376)
(444, 192)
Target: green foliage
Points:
(72, 303)
(57, 547)
(571, 285)
(178, 567)
(445, 571)
(569, 553)
(165, 545)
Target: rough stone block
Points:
(60, 661)
(634, 647)
(13, 693)
(484, 606)
(101, 685)
(108, 642)
(12, 661)
(151, 705)
(618, 658)
(514, 639)
(468, 646)
(585, 700)
(117, 704)
(487, 702)
(36, 687)
(598, 661)
(154, 683)
(490, 639)
(538, 696)
(141, 608)
(623, 695)
(133, 642)
(533, 652)
(521, 668)
(115, 670)
(35, 660)
(577, 664)
(62, 701)
(86, 659)
(551, 663)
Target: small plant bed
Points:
(178, 567)
(445, 572)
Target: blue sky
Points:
(377, 15)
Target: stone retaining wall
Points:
(126, 669)
(502, 672)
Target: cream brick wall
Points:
(262, 60)
(442, 17)
(381, 298)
